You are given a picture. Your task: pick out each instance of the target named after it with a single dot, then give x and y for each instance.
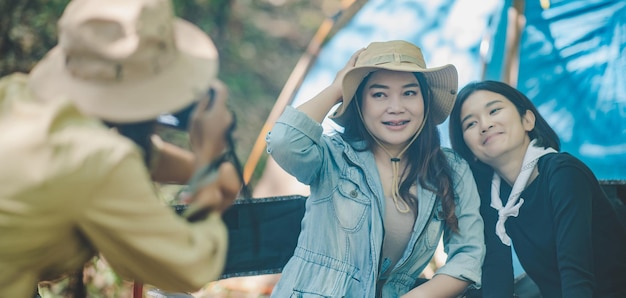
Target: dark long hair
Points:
(139, 133)
(543, 133)
(426, 161)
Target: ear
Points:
(528, 120)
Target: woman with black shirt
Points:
(546, 204)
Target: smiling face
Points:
(493, 129)
(393, 108)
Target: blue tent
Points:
(573, 66)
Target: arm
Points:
(572, 219)
(465, 249)
(220, 194)
(211, 124)
(318, 107)
(295, 141)
(211, 120)
(440, 286)
(173, 164)
(145, 240)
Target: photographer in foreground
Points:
(73, 187)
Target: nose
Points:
(486, 128)
(394, 105)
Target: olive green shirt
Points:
(70, 188)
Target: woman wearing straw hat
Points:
(72, 187)
(383, 192)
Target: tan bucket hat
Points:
(126, 61)
(399, 55)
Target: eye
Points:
(378, 94)
(494, 111)
(469, 124)
(410, 93)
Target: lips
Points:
(396, 123)
(489, 137)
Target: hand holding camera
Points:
(217, 180)
(210, 124)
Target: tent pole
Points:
(326, 29)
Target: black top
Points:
(567, 236)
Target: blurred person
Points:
(73, 187)
(544, 205)
(383, 191)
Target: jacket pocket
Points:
(350, 205)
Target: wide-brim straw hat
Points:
(126, 61)
(399, 55)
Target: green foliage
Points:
(100, 282)
(27, 31)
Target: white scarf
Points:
(515, 202)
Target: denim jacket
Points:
(339, 247)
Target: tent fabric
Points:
(448, 31)
(573, 66)
(572, 61)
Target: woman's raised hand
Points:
(337, 82)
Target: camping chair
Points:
(262, 234)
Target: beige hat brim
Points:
(443, 82)
(179, 85)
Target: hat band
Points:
(394, 58)
(100, 69)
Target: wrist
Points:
(205, 156)
(335, 92)
(202, 177)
